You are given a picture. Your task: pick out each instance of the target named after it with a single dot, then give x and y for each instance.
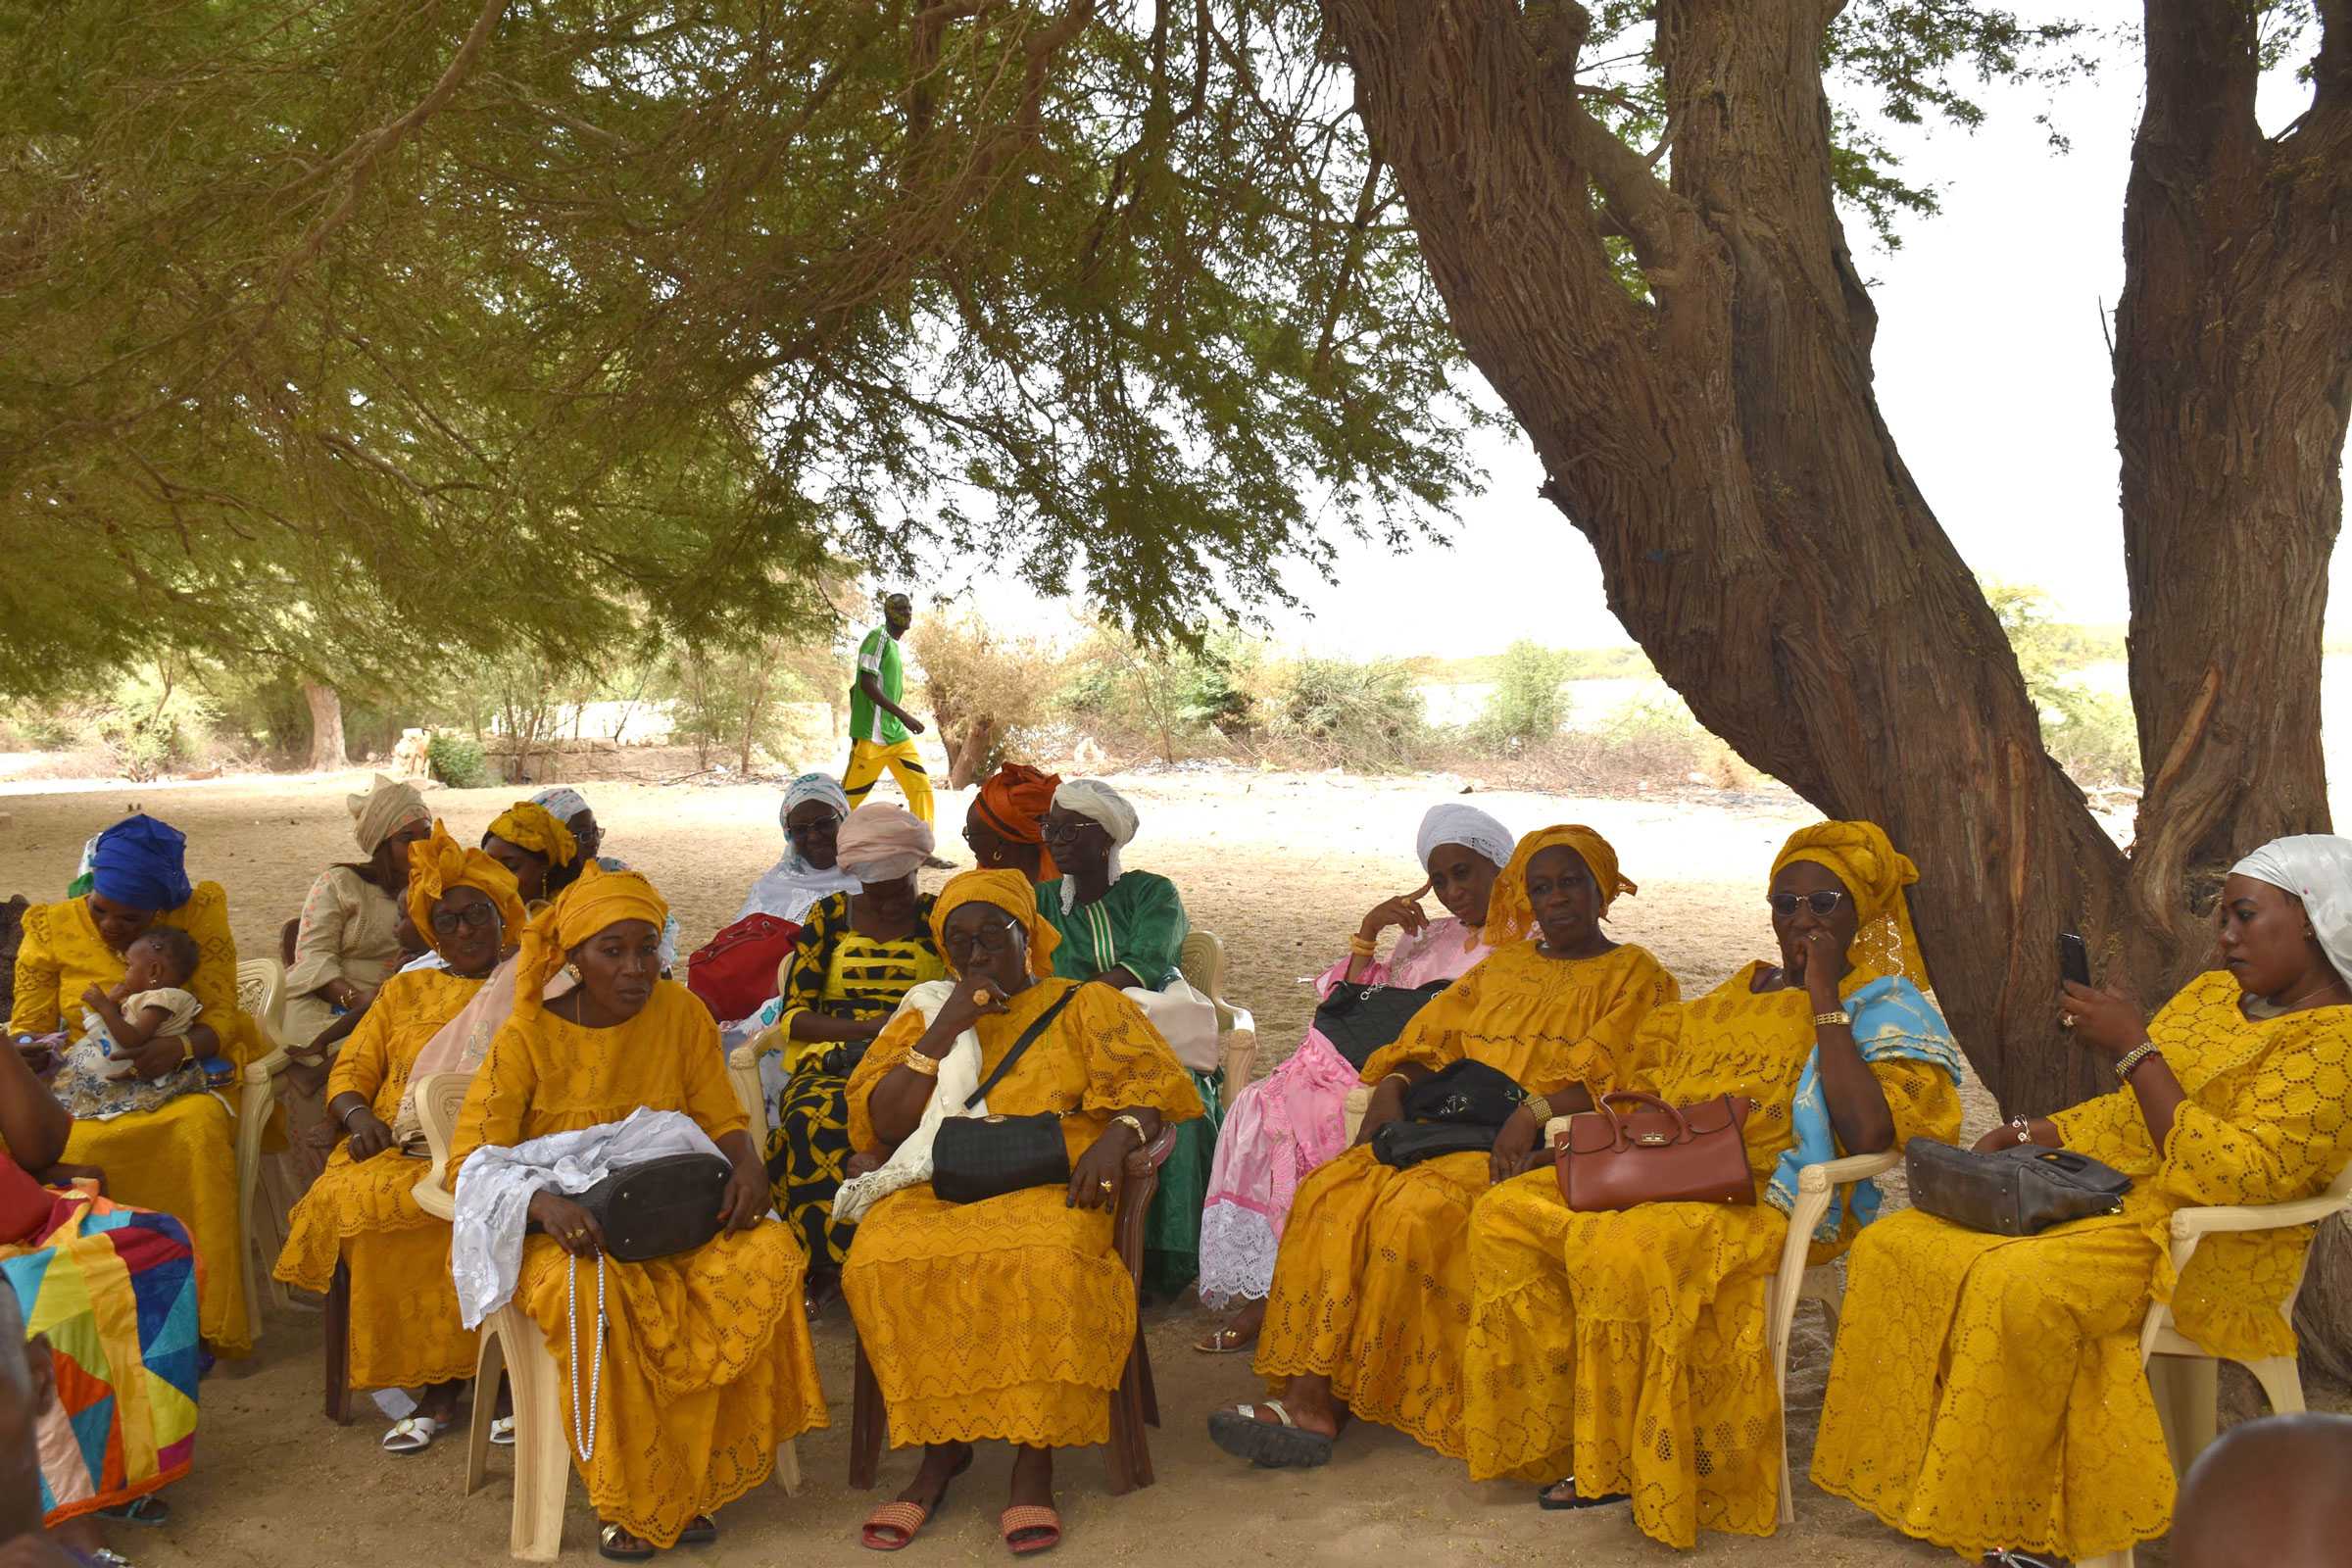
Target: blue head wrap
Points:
(141, 863)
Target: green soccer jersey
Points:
(878, 656)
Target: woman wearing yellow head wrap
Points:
(529, 840)
(707, 1363)
(1035, 1272)
(1373, 1276)
(1624, 1350)
(362, 1212)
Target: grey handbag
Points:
(2019, 1190)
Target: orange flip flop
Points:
(1042, 1527)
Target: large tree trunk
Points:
(1720, 446)
(326, 727)
(2233, 387)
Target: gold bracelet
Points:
(1538, 1107)
(920, 1065)
(1134, 1125)
(2133, 1059)
(1362, 947)
(1384, 1082)
(1835, 1016)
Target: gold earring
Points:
(573, 972)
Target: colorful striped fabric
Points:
(114, 1288)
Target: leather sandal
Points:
(610, 1545)
(1039, 1529)
(1576, 1499)
(700, 1531)
(1224, 1342)
(1280, 1443)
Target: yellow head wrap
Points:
(1511, 916)
(1876, 873)
(440, 862)
(598, 899)
(1009, 891)
(528, 825)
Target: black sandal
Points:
(609, 1545)
(700, 1531)
(1546, 1500)
(1277, 1444)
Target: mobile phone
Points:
(2074, 958)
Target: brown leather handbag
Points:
(1653, 1152)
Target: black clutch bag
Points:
(976, 1158)
(1358, 1020)
(658, 1207)
(1465, 1091)
(2019, 1190)
(1404, 1143)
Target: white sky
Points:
(1992, 371)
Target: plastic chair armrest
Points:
(1238, 1057)
(1834, 1173)
(2191, 1223)
(746, 1057)
(435, 1199)
(260, 1071)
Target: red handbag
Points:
(1661, 1155)
(735, 971)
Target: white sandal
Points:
(502, 1432)
(412, 1434)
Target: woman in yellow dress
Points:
(1987, 1394)
(1627, 1350)
(537, 847)
(1371, 1291)
(181, 1160)
(362, 1212)
(1009, 1319)
(707, 1367)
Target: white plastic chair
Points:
(743, 1065)
(1794, 1281)
(2185, 1379)
(261, 997)
(1201, 960)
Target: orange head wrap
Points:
(528, 825)
(1012, 803)
(1009, 891)
(598, 899)
(1876, 873)
(1511, 916)
(440, 862)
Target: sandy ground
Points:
(1282, 867)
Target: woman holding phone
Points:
(1987, 1394)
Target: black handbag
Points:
(977, 1158)
(1358, 1020)
(1406, 1143)
(658, 1207)
(2019, 1190)
(1457, 1109)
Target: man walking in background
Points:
(881, 731)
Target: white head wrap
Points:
(562, 802)
(881, 842)
(1100, 803)
(1473, 829)
(789, 888)
(2317, 869)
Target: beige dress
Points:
(350, 931)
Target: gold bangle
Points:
(2133, 1059)
(1384, 1082)
(1835, 1017)
(1134, 1125)
(920, 1065)
(1362, 947)
(1540, 1108)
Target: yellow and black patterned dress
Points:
(841, 974)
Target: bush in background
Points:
(993, 695)
(1346, 713)
(457, 761)
(1528, 705)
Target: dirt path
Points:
(1282, 867)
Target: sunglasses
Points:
(997, 936)
(471, 917)
(797, 831)
(1824, 904)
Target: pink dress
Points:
(1289, 1123)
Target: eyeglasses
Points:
(470, 917)
(797, 831)
(1822, 903)
(996, 937)
(1054, 832)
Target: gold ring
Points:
(2066, 1020)
(1108, 1184)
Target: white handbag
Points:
(1186, 1019)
